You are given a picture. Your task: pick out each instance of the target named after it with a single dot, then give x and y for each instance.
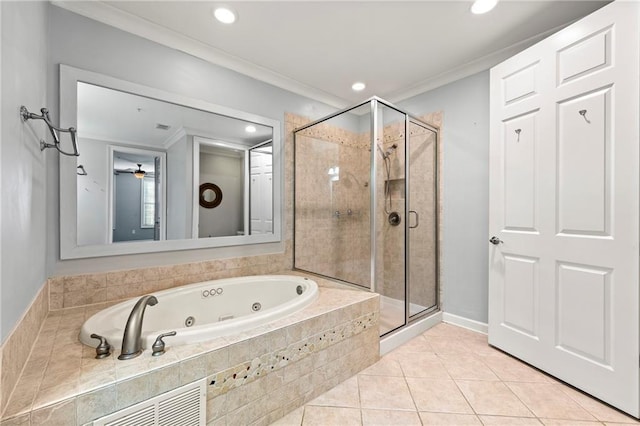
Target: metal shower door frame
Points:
(436, 194)
(374, 103)
(409, 118)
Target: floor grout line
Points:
(403, 358)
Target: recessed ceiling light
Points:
(483, 6)
(358, 87)
(225, 15)
(250, 129)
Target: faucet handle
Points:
(158, 345)
(103, 349)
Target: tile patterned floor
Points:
(450, 376)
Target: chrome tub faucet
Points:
(132, 339)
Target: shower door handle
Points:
(417, 219)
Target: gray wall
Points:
(465, 176)
(93, 192)
(24, 176)
(179, 189)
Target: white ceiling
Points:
(318, 49)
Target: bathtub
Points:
(206, 310)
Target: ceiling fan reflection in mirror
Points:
(138, 173)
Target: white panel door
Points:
(564, 196)
(261, 193)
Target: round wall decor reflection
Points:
(210, 195)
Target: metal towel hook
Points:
(583, 113)
(26, 115)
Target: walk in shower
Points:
(366, 206)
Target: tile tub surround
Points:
(16, 348)
(275, 368)
(88, 289)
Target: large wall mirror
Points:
(159, 172)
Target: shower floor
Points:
(392, 313)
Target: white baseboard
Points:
(470, 324)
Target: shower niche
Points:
(365, 206)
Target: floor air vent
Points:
(185, 406)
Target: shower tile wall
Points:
(390, 239)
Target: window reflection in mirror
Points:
(178, 148)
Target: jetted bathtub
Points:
(206, 310)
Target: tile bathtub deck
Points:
(60, 369)
(450, 376)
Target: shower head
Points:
(389, 151)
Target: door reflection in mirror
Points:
(224, 167)
(137, 196)
(261, 188)
(244, 175)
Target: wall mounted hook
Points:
(583, 113)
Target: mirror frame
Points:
(69, 248)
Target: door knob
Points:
(495, 241)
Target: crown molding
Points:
(175, 137)
(465, 70)
(109, 15)
(133, 24)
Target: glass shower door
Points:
(390, 260)
(332, 197)
(422, 219)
